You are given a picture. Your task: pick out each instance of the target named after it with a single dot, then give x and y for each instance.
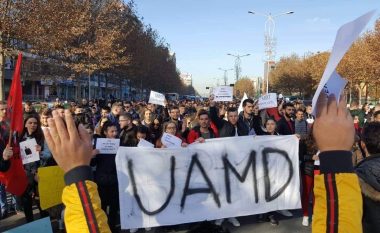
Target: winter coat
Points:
(225, 128)
(368, 171)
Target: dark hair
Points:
(300, 110)
(248, 101)
(202, 112)
(371, 137)
(375, 114)
(142, 129)
(174, 107)
(232, 109)
(28, 103)
(107, 125)
(288, 105)
(108, 109)
(38, 134)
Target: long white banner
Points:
(220, 178)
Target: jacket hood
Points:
(369, 176)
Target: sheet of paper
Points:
(145, 143)
(28, 151)
(268, 101)
(107, 145)
(40, 225)
(335, 85)
(171, 141)
(223, 93)
(345, 37)
(50, 186)
(156, 98)
(241, 102)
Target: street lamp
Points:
(237, 64)
(225, 75)
(269, 40)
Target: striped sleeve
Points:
(338, 200)
(83, 211)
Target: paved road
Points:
(249, 225)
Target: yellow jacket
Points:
(83, 211)
(338, 200)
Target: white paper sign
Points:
(145, 143)
(221, 178)
(241, 102)
(157, 98)
(335, 85)
(223, 93)
(268, 101)
(28, 151)
(107, 145)
(171, 141)
(346, 35)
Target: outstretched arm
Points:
(338, 200)
(72, 150)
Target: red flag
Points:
(14, 111)
(15, 179)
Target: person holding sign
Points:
(170, 128)
(32, 130)
(106, 177)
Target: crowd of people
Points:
(191, 121)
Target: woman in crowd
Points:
(156, 129)
(170, 128)
(32, 130)
(106, 177)
(148, 118)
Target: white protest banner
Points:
(268, 101)
(156, 98)
(107, 145)
(171, 141)
(241, 102)
(145, 143)
(346, 35)
(28, 151)
(221, 178)
(223, 93)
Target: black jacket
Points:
(128, 137)
(283, 127)
(368, 171)
(226, 129)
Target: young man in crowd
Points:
(368, 171)
(285, 126)
(116, 110)
(203, 130)
(128, 134)
(29, 110)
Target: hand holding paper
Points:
(346, 35)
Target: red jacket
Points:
(195, 133)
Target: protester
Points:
(170, 128)
(203, 130)
(29, 109)
(106, 178)
(128, 134)
(285, 126)
(156, 129)
(368, 171)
